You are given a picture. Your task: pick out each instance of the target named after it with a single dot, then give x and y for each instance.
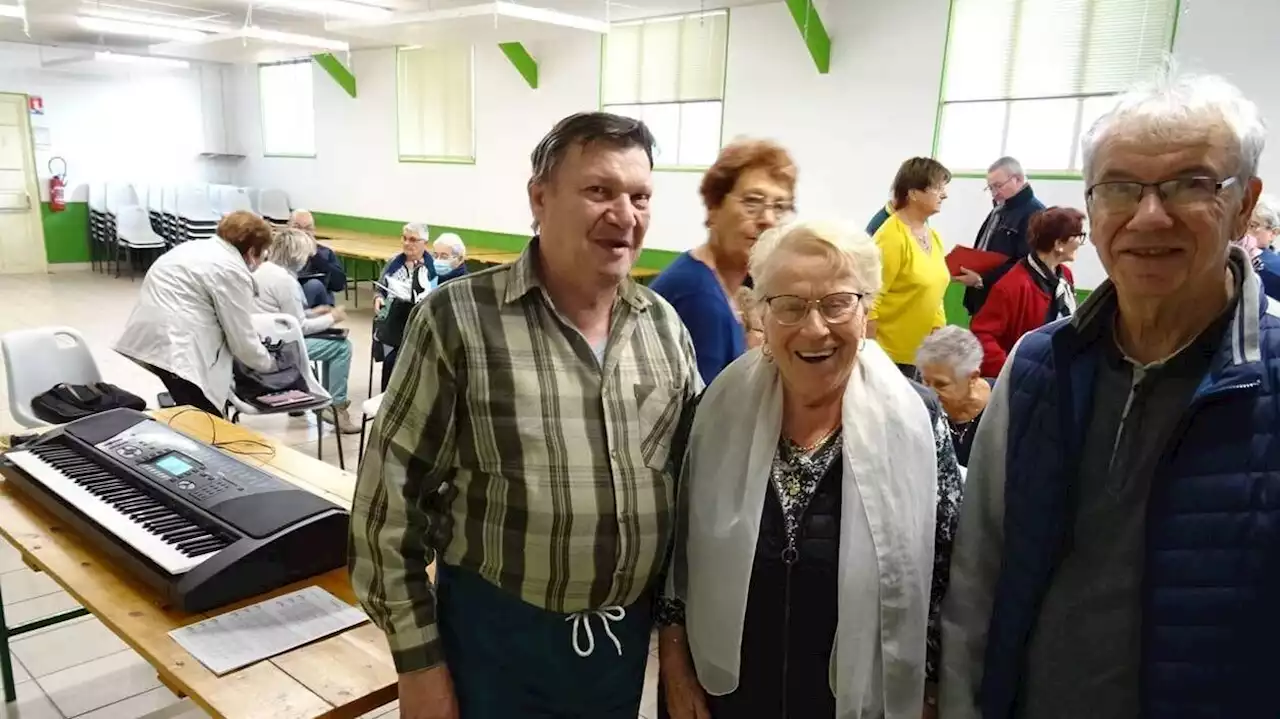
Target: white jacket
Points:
(194, 313)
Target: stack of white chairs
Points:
(274, 207)
(155, 208)
(228, 198)
(169, 213)
(119, 196)
(135, 235)
(101, 230)
(196, 217)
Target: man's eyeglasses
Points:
(836, 308)
(1180, 192)
(997, 186)
(755, 206)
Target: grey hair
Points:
(1267, 212)
(1174, 102)
(849, 248)
(453, 242)
(302, 219)
(582, 129)
(417, 229)
(291, 249)
(1011, 165)
(954, 347)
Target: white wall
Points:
(135, 127)
(848, 130)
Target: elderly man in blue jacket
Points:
(324, 263)
(1118, 553)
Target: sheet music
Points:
(237, 639)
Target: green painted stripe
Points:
(953, 303)
(524, 62)
(66, 233)
(339, 72)
(813, 31)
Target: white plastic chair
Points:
(196, 216)
(273, 204)
(285, 328)
(368, 412)
(101, 232)
(228, 198)
(35, 360)
(134, 234)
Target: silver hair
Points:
(417, 229)
(850, 248)
(1174, 103)
(1267, 212)
(953, 347)
(297, 217)
(291, 249)
(1009, 164)
(453, 242)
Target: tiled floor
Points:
(80, 669)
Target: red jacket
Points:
(1016, 305)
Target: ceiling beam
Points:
(523, 61)
(813, 32)
(339, 72)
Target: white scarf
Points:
(886, 530)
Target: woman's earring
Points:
(764, 350)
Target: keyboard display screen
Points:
(174, 464)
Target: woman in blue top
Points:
(749, 189)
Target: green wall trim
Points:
(813, 32)
(524, 62)
(651, 259)
(66, 233)
(339, 72)
(953, 303)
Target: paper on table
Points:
(237, 639)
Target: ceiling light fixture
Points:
(334, 8)
(137, 29)
(289, 38)
(156, 62)
(13, 11)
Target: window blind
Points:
(288, 108)
(1028, 49)
(666, 60)
(434, 102)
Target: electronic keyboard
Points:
(190, 521)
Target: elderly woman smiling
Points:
(818, 500)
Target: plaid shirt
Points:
(503, 445)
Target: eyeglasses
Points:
(1081, 238)
(755, 206)
(1178, 193)
(836, 308)
(993, 188)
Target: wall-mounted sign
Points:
(35, 104)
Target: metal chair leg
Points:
(337, 437)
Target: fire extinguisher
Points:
(58, 186)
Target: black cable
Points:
(269, 452)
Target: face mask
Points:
(443, 267)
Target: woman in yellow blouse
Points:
(915, 274)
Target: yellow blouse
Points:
(913, 283)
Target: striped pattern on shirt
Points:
(506, 448)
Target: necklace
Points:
(810, 448)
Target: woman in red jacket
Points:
(1038, 290)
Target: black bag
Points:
(251, 384)
(69, 402)
(389, 327)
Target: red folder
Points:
(980, 261)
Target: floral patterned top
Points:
(795, 479)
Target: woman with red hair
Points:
(1037, 291)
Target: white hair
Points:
(1267, 212)
(953, 347)
(1008, 164)
(1174, 103)
(453, 242)
(417, 229)
(291, 249)
(850, 250)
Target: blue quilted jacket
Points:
(1211, 595)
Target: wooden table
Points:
(346, 675)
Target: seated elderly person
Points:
(323, 263)
(279, 292)
(405, 281)
(1263, 227)
(779, 603)
(949, 362)
(195, 313)
(450, 257)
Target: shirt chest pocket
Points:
(658, 415)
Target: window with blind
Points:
(669, 72)
(288, 109)
(435, 112)
(1027, 77)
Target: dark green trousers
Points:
(512, 660)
